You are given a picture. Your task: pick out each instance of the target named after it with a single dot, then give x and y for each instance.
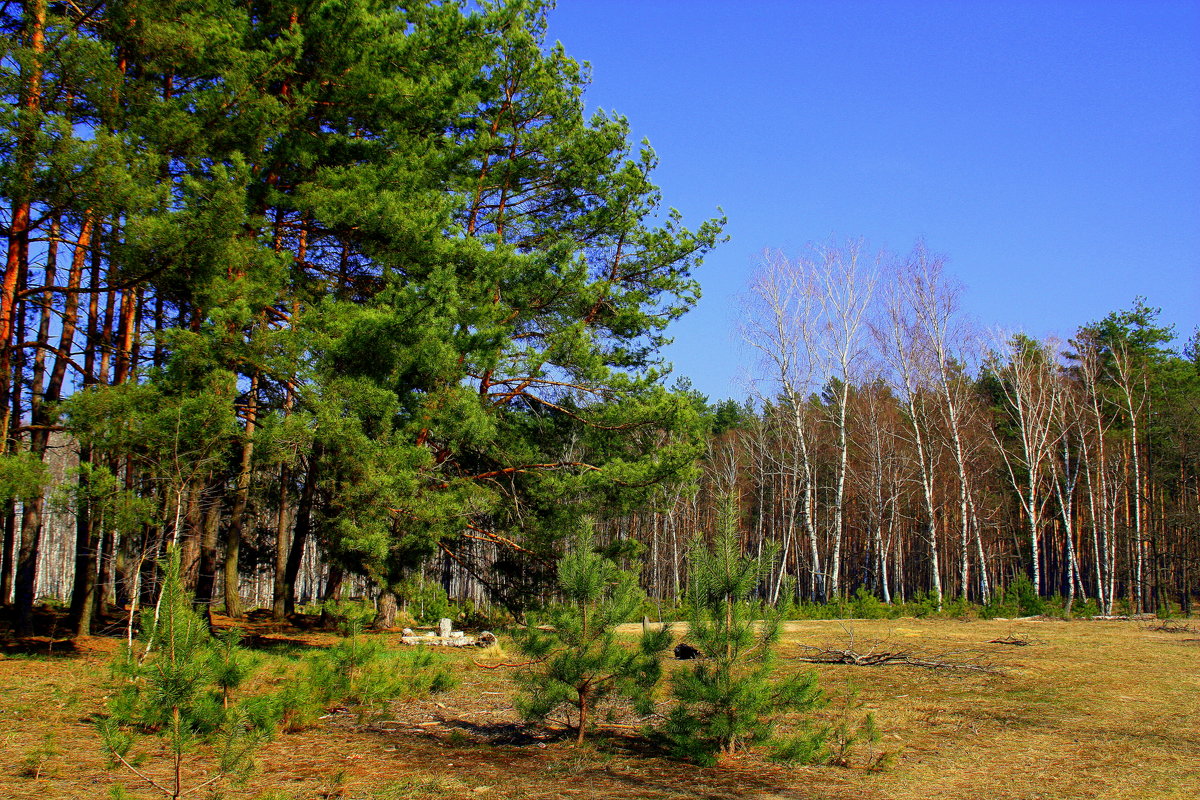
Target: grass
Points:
(1089, 709)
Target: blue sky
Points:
(1050, 149)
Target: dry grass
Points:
(1089, 709)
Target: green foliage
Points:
(229, 664)
(37, 761)
(851, 733)
(729, 699)
(483, 617)
(865, 605)
(923, 604)
(425, 600)
(578, 663)
(351, 617)
(958, 608)
(1019, 599)
(361, 672)
(1085, 607)
(176, 432)
(178, 687)
(95, 485)
(22, 476)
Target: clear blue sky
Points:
(1050, 149)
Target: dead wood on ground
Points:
(1011, 640)
(1167, 626)
(883, 653)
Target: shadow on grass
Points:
(614, 764)
(277, 646)
(39, 647)
(509, 734)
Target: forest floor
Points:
(1083, 709)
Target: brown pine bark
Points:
(283, 540)
(17, 260)
(10, 542)
(189, 538)
(124, 346)
(84, 587)
(85, 563)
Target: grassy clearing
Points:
(1088, 709)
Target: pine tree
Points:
(578, 662)
(176, 682)
(729, 699)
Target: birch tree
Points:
(846, 285)
(782, 325)
(1026, 370)
(942, 333)
(899, 338)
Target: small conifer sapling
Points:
(577, 661)
(180, 690)
(729, 699)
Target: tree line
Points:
(343, 294)
(892, 448)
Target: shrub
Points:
(424, 600)
(851, 735)
(1086, 607)
(958, 608)
(865, 605)
(37, 761)
(360, 671)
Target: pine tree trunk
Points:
(209, 540)
(25, 158)
(300, 536)
(385, 618)
(237, 515)
(9, 554)
(282, 543)
(84, 587)
(190, 535)
(583, 710)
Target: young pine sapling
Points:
(577, 661)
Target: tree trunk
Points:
(25, 157)
(209, 538)
(237, 515)
(303, 527)
(385, 619)
(84, 587)
(282, 543)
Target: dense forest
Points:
(347, 298)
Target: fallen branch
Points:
(516, 664)
(877, 658)
(1172, 627)
(823, 655)
(1013, 640)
